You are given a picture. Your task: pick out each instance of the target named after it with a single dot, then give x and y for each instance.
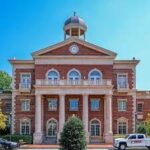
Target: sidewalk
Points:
(91, 146)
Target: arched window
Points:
(52, 128)
(95, 128)
(52, 77)
(95, 76)
(122, 125)
(74, 76)
(25, 127)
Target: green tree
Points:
(147, 123)
(3, 119)
(141, 128)
(5, 81)
(73, 135)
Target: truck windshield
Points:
(126, 136)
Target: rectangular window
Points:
(52, 104)
(122, 105)
(8, 107)
(139, 107)
(25, 105)
(25, 80)
(95, 104)
(122, 128)
(73, 104)
(25, 128)
(122, 81)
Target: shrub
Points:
(141, 129)
(16, 138)
(73, 135)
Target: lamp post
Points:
(10, 117)
(135, 121)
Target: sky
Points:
(122, 26)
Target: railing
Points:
(24, 87)
(45, 82)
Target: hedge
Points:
(16, 138)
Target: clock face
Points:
(74, 49)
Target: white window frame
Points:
(95, 81)
(47, 127)
(123, 108)
(122, 120)
(25, 73)
(73, 109)
(52, 108)
(127, 81)
(74, 81)
(25, 85)
(28, 121)
(25, 109)
(95, 99)
(142, 107)
(95, 119)
(52, 70)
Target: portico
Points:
(85, 92)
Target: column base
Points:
(108, 137)
(37, 138)
(87, 137)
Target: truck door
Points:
(140, 140)
(132, 141)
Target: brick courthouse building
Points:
(75, 77)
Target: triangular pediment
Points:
(63, 48)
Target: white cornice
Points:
(75, 60)
(125, 64)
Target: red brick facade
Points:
(105, 64)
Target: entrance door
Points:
(95, 131)
(52, 131)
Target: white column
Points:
(85, 116)
(61, 113)
(37, 139)
(108, 119)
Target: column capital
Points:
(85, 94)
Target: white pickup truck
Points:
(131, 141)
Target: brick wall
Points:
(130, 76)
(41, 70)
(127, 114)
(20, 114)
(19, 71)
(146, 108)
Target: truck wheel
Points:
(122, 147)
(148, 147)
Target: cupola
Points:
(74, 27)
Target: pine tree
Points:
(73, 135)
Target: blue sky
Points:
(120, 25)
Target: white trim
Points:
(46, 75)
(126, 74)
(52, 99)
(25, 120)
(99, 127)
(119, 100)
(122, 119)
(86, 60)
(75, 71)
(51, 119)
(21, 104)
(92, 99)
(76, 40)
